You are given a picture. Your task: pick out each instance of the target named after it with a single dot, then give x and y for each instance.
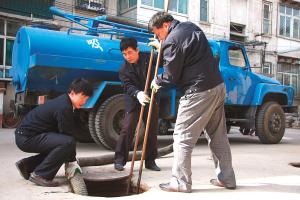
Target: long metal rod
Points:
(148, 124)
(137, 133)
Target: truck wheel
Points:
(108, 121)
(92, 128)
(270, 123)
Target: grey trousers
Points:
(198, 112)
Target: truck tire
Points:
(92, 128)
(270, 123)
(108, 121)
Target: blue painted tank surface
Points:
(45, 60)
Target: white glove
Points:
(143, 98)
(155, 43)
(154, 86)
(71, 168)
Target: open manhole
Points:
(295, 164)
(107, 182)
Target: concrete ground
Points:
(262, 171)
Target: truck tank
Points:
(45, 60)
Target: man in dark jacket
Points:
(133, 75)
(190, 65)
(49, 130)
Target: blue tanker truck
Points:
(46, 61)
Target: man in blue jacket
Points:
(190, 65)
(50, 131)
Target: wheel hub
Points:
(275, 123)
(118, 120)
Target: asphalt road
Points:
(262, 171)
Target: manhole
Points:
(107, 182)
(295, 164)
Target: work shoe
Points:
(218, 183)
(152, 166)
(168, 188)
(119, 167)
(23, 169)
(42, 181)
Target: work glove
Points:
(143, 98)
(154, 43)
(71, 168)
(154, 86)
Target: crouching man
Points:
(49, 130)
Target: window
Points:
(237, 32)
(126, 4)
(91, 5)
(1, 51)
(236, 57)
(30, 8)
(267, 18)
(1, 27)
(204, 10)
(8, 55)
(267, 68)
(154, 3)
(8, 30)
(12, 28)
(289, 74)
(179, 6)
(289, 24)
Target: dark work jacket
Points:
(188, 59)
(133, 78)
(55, 115)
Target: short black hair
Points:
(128, 42)
(158, 19)
(80, 85)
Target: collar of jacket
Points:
(68, 99)
(174, 23)
(140, 60)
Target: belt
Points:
(19, 131)
(192, 90)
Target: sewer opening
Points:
(295, 164)
(106, 182)
(111, 188)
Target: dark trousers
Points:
(128, 131)
(54, 149)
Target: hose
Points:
(109, 158)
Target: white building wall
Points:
(238, 11)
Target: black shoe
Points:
(42, 181)
(119, 167)
(23, 169)
(152, 166)
(168, 188)
(218, 183)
